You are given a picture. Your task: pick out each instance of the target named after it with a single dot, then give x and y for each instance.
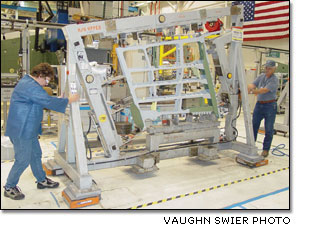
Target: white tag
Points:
(93, 91)
(73, 88)
(237, 34)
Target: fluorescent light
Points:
(140, 4)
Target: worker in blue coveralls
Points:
(265, 87)
(24, 125)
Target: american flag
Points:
(265, 20)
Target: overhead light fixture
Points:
(141, 4)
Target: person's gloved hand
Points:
(73, 98)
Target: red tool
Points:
(214, 26)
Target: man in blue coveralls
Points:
(265, 87)
(24, 125)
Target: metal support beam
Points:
(245, 104)
(32, 24)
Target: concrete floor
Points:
(122, 189)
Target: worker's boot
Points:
(48, 183)
(14, 193)
(265, 153)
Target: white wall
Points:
(277, 44)
(252, 55)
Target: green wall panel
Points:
(10, 54)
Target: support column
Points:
(246, 110)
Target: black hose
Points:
(87, 141)
(238, 115)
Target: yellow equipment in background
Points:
(49, 92)
(114, 58)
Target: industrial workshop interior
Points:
(166, 105)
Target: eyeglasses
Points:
(47, 79)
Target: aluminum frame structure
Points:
(152, 83)
(70, 154)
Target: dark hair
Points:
(43, 69)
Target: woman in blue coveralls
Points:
(24, 125)
(265, 87)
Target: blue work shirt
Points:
(270, 83)
(26, 108)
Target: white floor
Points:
(122, 189)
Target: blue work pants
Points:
(26, 152)
(268, 112)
